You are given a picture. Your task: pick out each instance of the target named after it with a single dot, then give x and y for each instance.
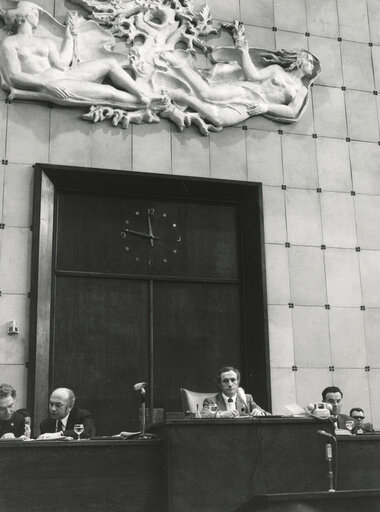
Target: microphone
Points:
(140, 386)
(325, 434)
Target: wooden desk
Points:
(359, 461)
(81, 476)
(217, 465)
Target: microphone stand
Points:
(143, 434)
(329, 463)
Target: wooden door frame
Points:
(49, 179)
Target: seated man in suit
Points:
(64, 415)
(12, 423)
(357, 414)
(333, 395)
(231, 401)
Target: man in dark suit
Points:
(12, 423)
(333, 395)
(64, 415)
(357, 414)
(232, 401)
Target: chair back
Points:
(192, 401)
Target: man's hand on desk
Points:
(257, 412)
(227, 414)
(53, 435)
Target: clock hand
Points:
(150, 230)
(145, 235)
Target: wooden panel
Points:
(340, 501)
(218, 465)
(193, 239)
(196, 330)
(81, 476)
(100, 347)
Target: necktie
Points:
(230, 399)
(59, 426)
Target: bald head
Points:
(61, 402)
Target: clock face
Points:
(150, 235)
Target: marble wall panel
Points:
(264, 157)
(372, 336)
(368, 221)
(334, 165)
(322, 18)
(347, 338)
(15, 260)
(303, 217)
(228, 154)
(353, 20)
(374, 20)
(111, 147)
(343, 278)
(277, 274)
(190, 153)
(329, 112)
(328, 52)
(70, 138)
(30, 124)
(283, 389)
(151, 146)
(370, 277)
(258, 13)
(311, 337)
(18, 193)
(338, 220)
(307, 276)
(290, 15)
(365, 161)
(14, 348)
(362, 117)
(274, 215)
(281, 336)
(357, 66)
(300, 161)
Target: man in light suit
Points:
(231, 402)
(64, 415)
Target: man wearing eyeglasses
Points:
(357, 414)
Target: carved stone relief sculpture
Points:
(139, 61)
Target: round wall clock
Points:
(150, 234)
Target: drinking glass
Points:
(350, 425)
(213, 408)
(78, 429)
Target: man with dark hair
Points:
(231, 401)
(357, 414)
(64, 415)
(333, 395)
(12, 423)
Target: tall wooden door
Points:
(148, 284)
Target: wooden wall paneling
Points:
(100, 347)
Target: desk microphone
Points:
(325, 434)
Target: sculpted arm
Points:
(290, 111)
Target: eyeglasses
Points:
(358, 417)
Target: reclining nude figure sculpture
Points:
(31, 62)
(154, 78)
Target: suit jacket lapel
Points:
(220, 402)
